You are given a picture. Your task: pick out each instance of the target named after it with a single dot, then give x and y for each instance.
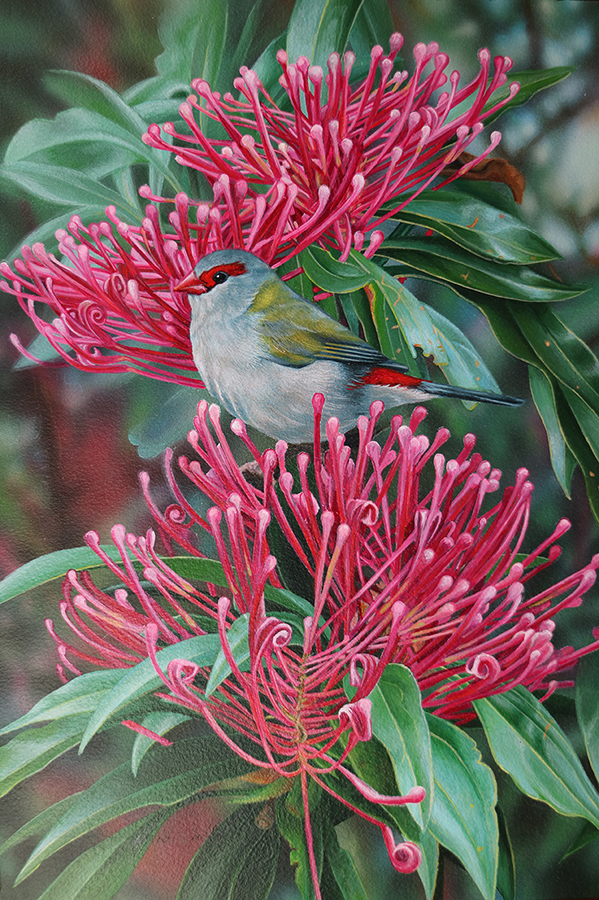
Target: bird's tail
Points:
(385, 376)
(435, 389)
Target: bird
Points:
(263, 351)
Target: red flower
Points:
(428, 578)
(373, 540)
(352, 154)
(115, 301)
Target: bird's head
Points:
(226, 276)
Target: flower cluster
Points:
(424, 577)
(344, 149)
(348, 156)
(447, 573)
(114, 292)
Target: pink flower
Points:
(433, 578)
(351, 155)
(448, 561)
(115, 299)
(291, 702)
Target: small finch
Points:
(263, 352)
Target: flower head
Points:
(114, 293)
(447, 558)
(345, 149)
(432, 577)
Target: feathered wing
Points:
(297, 332)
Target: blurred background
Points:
(67, 466)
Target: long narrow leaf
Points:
(587, 708)
(529, 744)
(463, 816)
(542, 391)
(33, 750)
(319, 27)
(142, 679)
(99, 872)
(399, 723)
(446, 262)
(52, 566)
(81, 695)
(476, 226)
(169, 776)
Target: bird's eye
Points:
(219, 277)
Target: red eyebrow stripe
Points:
(207, 278)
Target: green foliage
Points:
(238, 860)
(91, 155)
(463, 815)
(400, 725)
(529, 744)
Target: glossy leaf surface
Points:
(529, 744)
(463, 816)
(400, 724)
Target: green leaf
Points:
(52, 566)
(476, 226)
(65, 187)
(32, 750)
(99, 872)
(82, 694)
(464, 366)
(291, 822)
(372, 763)
(237, 861)
(169, 776)
(268, 69)
(341, 870)
(390, 337)
(168, 424)
(399, 723)
(429, 867)
(562, 460)
(373, 25)
(80, 90)
(328, 273)
(410, 315)
(587, 708)
(463, 816)
(193, 35)
(87, 141)
(250, 29)
(576, 441)
(587, 835)
(530, 746)
(317, 28)
(160, 723)
(587, 418)
(506, 862)
(238, 643)
(446, 262)
(142, 679)
(39, 824)
(563, 353)
(530, 83)
(75, 138)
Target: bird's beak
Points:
(191, 284)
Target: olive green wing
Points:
(297, 332)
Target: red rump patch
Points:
(207, 278)
(391, 377)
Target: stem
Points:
(309, 841)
